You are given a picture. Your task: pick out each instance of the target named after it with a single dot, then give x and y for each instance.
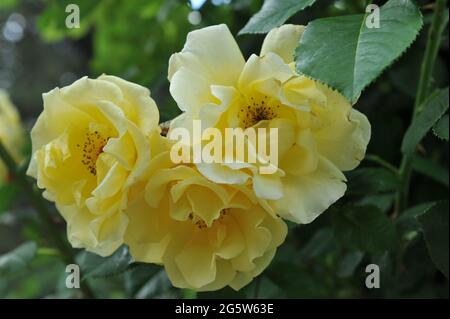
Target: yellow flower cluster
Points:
(99, 154)
(11, 133)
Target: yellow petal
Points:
(212, 53)
(196, 262)
(344, 138)
(283, 41)
(264, 74)
(147, 233)
(307, 196)
(139, 107)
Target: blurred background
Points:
(134, 40)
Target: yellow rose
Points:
(90, 144)
(319, 133)
(206, 235)
(11, 133)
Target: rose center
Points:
(93, 145)
(256, 110)
(201, 224)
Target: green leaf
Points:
(273, 14)
(366, 181)
(348, 263)
(345, 54)
(137, 276)
(435, 229)
(431, 169)
(93, 265)
(364, 228)
(408, 219)
(428, 114)
(17, 259)
(440, 129)
(415, 211)
(382, 201)
(158, 286)
(321, 242)
(291, 277)
(7, 194)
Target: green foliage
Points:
(273, 14)
(17, 259)
(372, 181)
(355, 55)
(431, 169)
(8, 3)
(52, 22)
(93, 265)
(440, 129)
(428, 114)
(365, 228)
(349, 263)
(435, 228)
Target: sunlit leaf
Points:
(273, 14)
(345, 54)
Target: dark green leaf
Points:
(295, 281)
(440, 129)
(431, 169)
(138, 276)
(93, 265)
(364, 228)
(273, 14)
(366, 181)
(415, 211)
(382, 201)
(428, 114)
(349, 262)
(435, 229)
(321, 241)
(158, 286)
(345, 54)
(17, 259)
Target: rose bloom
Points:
(320, 135)
(207, 235)
(11, 132)
(89, 145)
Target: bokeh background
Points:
(134, 40)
